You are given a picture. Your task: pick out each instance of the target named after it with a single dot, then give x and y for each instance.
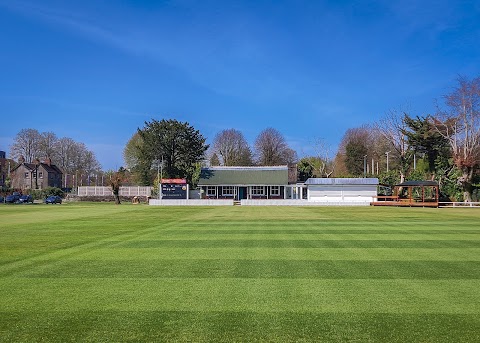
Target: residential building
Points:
(37, 175)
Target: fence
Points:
(106, 191)
(458, 204)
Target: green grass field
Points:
(100, 272)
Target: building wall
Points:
(24, 178)
(341, 193)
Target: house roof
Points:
(244, 176)
(31, 166)
(342, 181)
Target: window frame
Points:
(258, 190)
(231, 190)
(209, 189)
(275, 191)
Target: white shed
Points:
(342, 190)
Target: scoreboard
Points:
(174, 188)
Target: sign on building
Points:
(174, 189)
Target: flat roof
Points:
(341, 181)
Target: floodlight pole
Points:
(159, 177)
(365, 166)
(387, 158)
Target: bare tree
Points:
(232, 148)
(392, 127)
(74, 158)
(27, 144)
(272, 149)
(47, 145)
(324, 164)
(65, 151)
(460, 125)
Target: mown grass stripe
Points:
(283, 243)
(351, 254)
(228, 326)
(318, 232)
(259, 269)
(257, 295)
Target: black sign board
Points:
(174, 191)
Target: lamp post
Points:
(159, 177)
(365, 166)
(387, 158)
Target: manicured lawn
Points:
(100, 272)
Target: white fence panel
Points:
(107, 191)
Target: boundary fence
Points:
(458, 204)
(106, 191)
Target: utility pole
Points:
(387, 158)
(365, 166)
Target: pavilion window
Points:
(211, 191)
(275, 190)
(258, 190)
(228, 190)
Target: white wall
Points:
(342, 193)
(190, 202)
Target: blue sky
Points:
(95, 71)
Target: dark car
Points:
(2, 199)
(13, 198)
(53, 199)
(25, 199)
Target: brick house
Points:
(37, 175)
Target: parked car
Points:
(12, 198)
(53, 199)
(2, 199)
(25, 199)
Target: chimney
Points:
(48, 161)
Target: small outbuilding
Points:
(342, 190)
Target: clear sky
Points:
(95, 71)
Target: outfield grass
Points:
(100, 272)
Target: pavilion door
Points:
(242, 193)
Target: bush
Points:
(39, 194)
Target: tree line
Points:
(171, 149)
(72, 157)
(443, 146)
